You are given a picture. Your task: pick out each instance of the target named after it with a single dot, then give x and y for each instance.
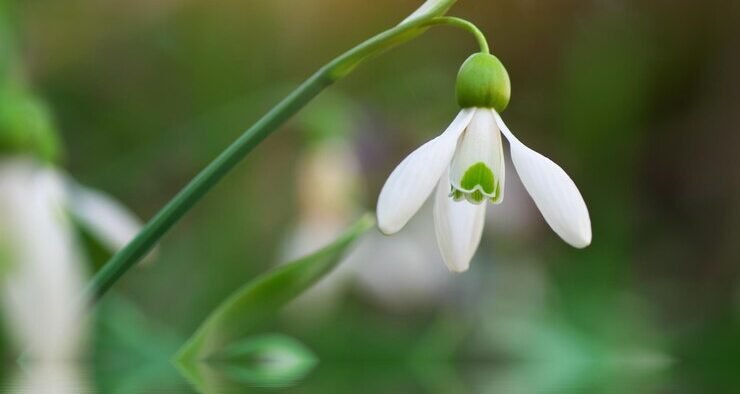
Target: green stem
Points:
(465, 25)
(225, 162)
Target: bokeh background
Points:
(637, 100)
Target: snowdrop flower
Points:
(46, 266)
(466, 165)
(45, 276)
(323, 215)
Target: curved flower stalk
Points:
(420, 21)
(430, 7)
(465, 165)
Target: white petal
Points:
(479, 145)
(459, 227)
(552, 190)
(414, 179)
(106, 219)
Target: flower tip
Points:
(458, 270)
(387, 227)
(582, 240)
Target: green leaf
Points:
(430, 9)
(260, 299)
(271, 360)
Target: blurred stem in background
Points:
(412, 27)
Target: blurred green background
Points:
(637, 100)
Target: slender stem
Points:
(225, 162)
(465, 25)
(201, 184)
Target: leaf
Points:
(429, 9)
(267, 361)
(271, 360)
(260, 299)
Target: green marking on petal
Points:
(457, 195)
(479, 175)
(497, 193)
(477, 185)
(476, 197)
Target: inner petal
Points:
(477, 169)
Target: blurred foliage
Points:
(258, 301)
(636, 100)
(268, 361)
(131, 352)
(26, 126)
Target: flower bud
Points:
(483, 83)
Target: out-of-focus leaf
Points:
(6, 49)
(125, 336)
(131, 352)
(4, 260)
(267, 361)
(258, 300)
(270, 360)
(26, 125)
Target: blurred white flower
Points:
(109, 221)
(402, 273)
(50, 378)
(398, 273)
(44, 281)
(323, 215)
(46, 268)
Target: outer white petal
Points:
(481, 143)
(414, 179)
(552, 190)
(106, 219)
(459, 227)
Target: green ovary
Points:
(480, 182)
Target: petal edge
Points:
(412, 181)
(458, 226)
(553, 191)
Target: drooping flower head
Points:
(466, 165)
